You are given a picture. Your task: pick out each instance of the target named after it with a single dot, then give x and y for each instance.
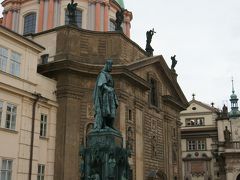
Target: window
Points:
(29, 23)
(78, 18)
(11, 116)
(41, 170)
(10, 64)
(6, 170)
(1, 110)
(44, 58)
(195, 121)
(112, 25)
(3, 59)
(43, 125)
(15, 64)
(153, 92)
(198, 144)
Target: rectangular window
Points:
(198, 144)
(78, 18)
(3, 59)
(15, 64)
(11, 116)
(43, 125)
(1, 110)
(41, 171)
(29, 23)
(153, 92)
(6, 170)
(129, 114)
(199, 121)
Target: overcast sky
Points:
(204, 35)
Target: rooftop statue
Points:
(174, 62)
(72, 7)
(105, 99)
(119, 20)
(149, 35)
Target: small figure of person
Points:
(227, 135)
(119, 20)
(174, 62)
(72, 7)
(149, 35)
(111, 165)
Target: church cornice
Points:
(90, 69)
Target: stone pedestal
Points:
(104, 156)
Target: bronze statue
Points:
(105, 99)
(174, 62)
(72, 7)
(119, 20)
(149, 35)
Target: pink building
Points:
(32, 16)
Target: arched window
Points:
(78, 18)
(29, 23)
(112, 25)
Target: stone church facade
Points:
(149, 95)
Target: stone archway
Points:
(238, 177)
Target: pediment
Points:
(156, 66)
(198, 107)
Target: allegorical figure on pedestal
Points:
(71, 9)
(149, 35)
(105, 99)
(227, 135)
(119, 20)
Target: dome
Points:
(121, 3)
(233, 96)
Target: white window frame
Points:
(13, 116)
(3, 59)
(12, 65)
(43, 125)
(15, 63)
(196, 145)
(7, 171)
(41, 172)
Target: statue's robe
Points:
(105, 102)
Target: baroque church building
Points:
(34, 16)
(150, 98)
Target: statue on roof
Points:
(71, 8)
(105, 99)
(119, 20)
(227, 135)
(174, 62)
(149, 35)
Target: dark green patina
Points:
(104, 157)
